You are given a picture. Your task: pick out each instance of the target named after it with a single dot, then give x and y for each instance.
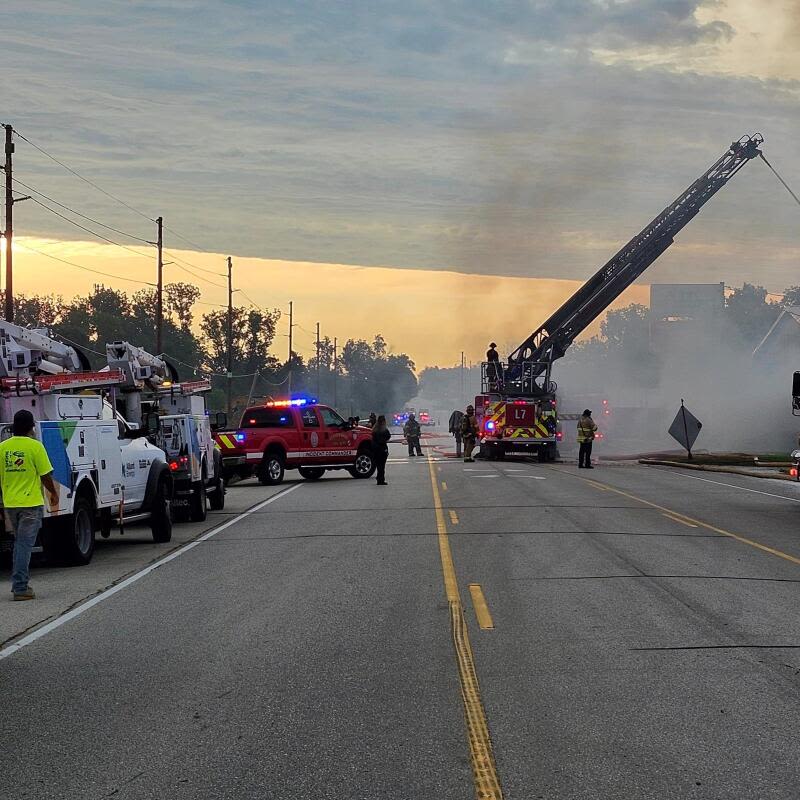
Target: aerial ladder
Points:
(526, 376)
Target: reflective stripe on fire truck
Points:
(539, 431)
(227, 441)
(306, 453)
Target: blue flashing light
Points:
(239, 437)
(490, 426)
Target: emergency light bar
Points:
(298, 401)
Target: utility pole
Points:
(462, 377)
(9, 231)
(291, 328)
(229, 337)
(160, 286)
(318, 360)
(335, 368)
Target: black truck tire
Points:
(161, 513)
(271, 470)
(364, 465)
(198, 504)
(216, 500)
(71, 539)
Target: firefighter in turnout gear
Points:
(493, 368)
(586, 431)
(469, 433)
(412, 431)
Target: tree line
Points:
(365, 376)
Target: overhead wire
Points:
(28, 247)
(81, 177)
(775, 172)
(80, 214)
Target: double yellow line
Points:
(484, 768)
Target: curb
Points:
(714, 468)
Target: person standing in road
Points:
(454, 426)
(412, 432)
(586, 430)
(372, 419)
(380, 447)
(469, 433)
(24, 469)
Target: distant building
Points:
(686, 315)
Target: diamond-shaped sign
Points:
(685, 428)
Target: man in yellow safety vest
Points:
(586, 431)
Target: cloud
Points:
(513, 137)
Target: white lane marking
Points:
(483, 476)
(10, 649)
(734, 486)
(533, 477)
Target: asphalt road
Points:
(645, 644)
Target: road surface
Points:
(645, 643)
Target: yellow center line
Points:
(484, 769)
(482, 614)
(595, 484)
(699, 523)
(453, 517)
(444, 486)
(678, 519)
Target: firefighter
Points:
(586, 431)
(380, 449)
(492, 365)
(372, 419)
(412, 431)
(469, 433)
(454, 426)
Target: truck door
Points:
(337, 437)
(136, 462)
(311, 449)
(109, 456)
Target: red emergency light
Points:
(181, 461)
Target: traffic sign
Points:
(685, 428)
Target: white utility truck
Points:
(106, 471)
(175, 415)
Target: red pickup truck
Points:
(294, 434)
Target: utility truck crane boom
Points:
(25, 353)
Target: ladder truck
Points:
(106, 471)
(517, 410)
(175, 414)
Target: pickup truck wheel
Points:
(161, 514)
(270, 472)
(75, 539)
(311, 473)
(363, 467)
(216, 499)
(198, 505)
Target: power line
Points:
(183, 238)
(88, 230)
(79, 214)
(85, 180)
(81, 266)
(189, 263)
(195, 275)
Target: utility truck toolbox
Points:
(294, 434)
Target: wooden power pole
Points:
(318, 361)
(160, 287)
(9, 231)
(289, 363)
(229, 337)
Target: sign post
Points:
(685, 429)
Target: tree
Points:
(751, 314)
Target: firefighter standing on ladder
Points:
(493, 369)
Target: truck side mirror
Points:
(220, 420)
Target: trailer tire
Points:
(72, 541)
(161, 513)
(198, 505)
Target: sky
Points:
(519, 139)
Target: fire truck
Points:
(517, 410)
(175, 414)
(106, 471)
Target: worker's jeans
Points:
(25, 525)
